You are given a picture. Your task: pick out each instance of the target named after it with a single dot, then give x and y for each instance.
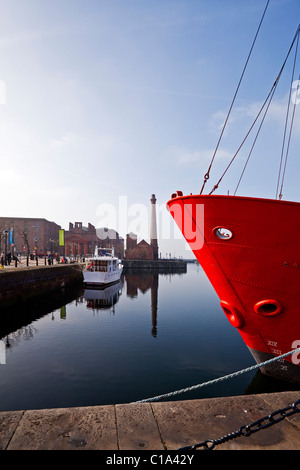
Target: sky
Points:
(106, 102)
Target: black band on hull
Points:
(281, 369)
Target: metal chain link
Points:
(246, 431)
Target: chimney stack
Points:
(153, 228)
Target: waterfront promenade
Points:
(161, 426)
(42, 262)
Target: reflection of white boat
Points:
(104, 268)
(103, 298)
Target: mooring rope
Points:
(219, 379)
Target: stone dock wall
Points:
(23, 284)
(160, 265)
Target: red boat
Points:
(250, 250)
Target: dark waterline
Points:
(149, 335)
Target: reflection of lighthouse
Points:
(154, 293)
(153, 228)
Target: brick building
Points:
(141, 250)
(25, 235)
(81, 240)
(108, 238)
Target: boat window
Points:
(223, 233)
(100, 265)
(102, 252)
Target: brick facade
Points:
(27, 235)
(141, 250)
(23, 235)
(82, 241)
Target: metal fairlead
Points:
(246, 431)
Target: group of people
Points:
(6, 260)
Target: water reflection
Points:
(17, 320)
(106, 298)
(14, 338)
(261, 383)
(136, 282)
(103, 298)
(22, 314)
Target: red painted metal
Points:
(250, 250)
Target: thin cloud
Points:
(183, 156)
(165, 91)
(29, 36)
(242, 115)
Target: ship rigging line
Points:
(254, 142)
(269, 97)
(206, 176)
(286, 122)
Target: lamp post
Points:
(51, 250)
(36, 248)
(75, 246)
(5, 233)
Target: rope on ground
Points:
(219, 379)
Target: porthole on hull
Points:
(223, 233)
(268, 308)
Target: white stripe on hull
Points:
(101, 277)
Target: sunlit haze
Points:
(105, 102)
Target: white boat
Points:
(103, 268)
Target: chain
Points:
(246, 431)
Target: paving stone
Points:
(9, 421)
(90, 428)
(137, 428)
(190, 422)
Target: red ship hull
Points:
(250, 250)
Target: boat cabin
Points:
(103, 261)
(100, 265)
